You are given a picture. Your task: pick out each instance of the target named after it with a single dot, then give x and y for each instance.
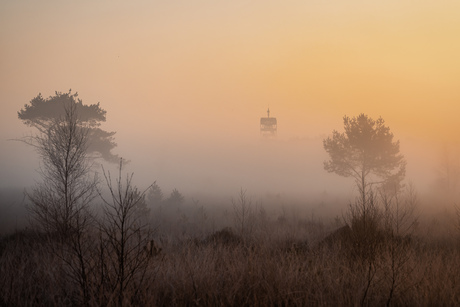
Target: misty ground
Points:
(287, 252)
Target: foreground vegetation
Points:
(278, 262)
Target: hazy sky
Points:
(190, 75)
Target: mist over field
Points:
(277, 173)
(218, 210)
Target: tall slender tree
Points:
(67, 189)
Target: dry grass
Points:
(251, 272)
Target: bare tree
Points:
(448, 171)
(243, 214)
(67, 189)
(125, 235)
(60, 203)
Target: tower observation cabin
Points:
(268, 125)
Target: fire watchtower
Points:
(268, 125)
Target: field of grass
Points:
(282, 262)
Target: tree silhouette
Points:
(41, 113)
(155, 195)
(366, 152)
(448, 171)
(59, 203)
(175, 199)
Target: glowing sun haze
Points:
(204, 71)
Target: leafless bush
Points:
(400, 221)
(364, 218)
(243, 214)
(125, 233)
(381, 229)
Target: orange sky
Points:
(213, 60)
(201, 70)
